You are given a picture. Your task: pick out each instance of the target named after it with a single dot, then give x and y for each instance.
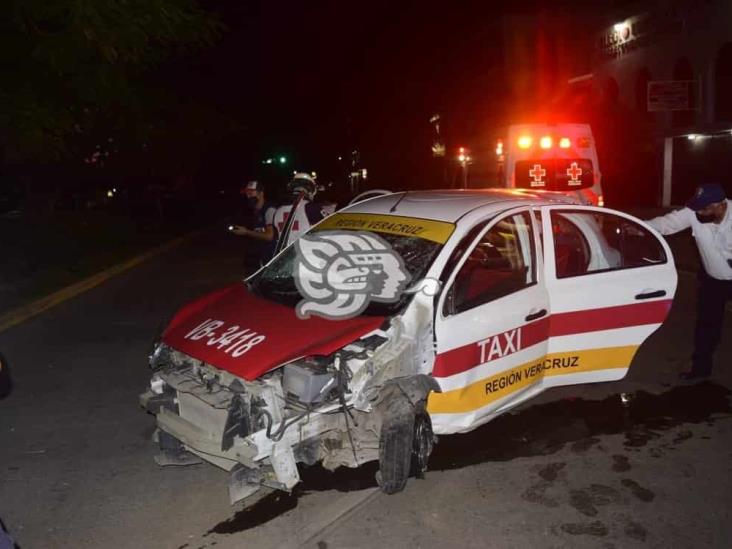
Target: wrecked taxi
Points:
(397, 319)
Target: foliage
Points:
(71, 66)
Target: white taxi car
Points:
(510, 293)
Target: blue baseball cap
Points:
(709, 193)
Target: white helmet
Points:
(303, 183)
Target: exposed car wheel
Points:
(405, 443)
(395, 454)
(423, 443)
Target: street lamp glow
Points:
(283, 159)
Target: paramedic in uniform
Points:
(709, 215)
(259, 228)
(308, 212)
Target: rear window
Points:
(555, 174)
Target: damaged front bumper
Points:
(255, 430)
(313, 410)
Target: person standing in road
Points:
(259, 228)
(709, 215)
(302, 189)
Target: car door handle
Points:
(651, 295)
(534, 316)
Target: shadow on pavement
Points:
(534, 431)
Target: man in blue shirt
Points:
(259, 228)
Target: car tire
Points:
(405, 442)
(395, 454)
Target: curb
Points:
(34, 308)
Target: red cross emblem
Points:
(537, 172)
(574, 172)
(285, 217)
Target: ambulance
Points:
(551, 157)
(479, 300)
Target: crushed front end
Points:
(316, 409)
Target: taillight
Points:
(524, 142)
(601, 201)
(545, 142)
(564, 143)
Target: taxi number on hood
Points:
(233, 340)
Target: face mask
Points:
(704, 218)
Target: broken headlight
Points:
(160, 356)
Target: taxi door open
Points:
(491, 323)
(611, 282)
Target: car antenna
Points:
(394, 207)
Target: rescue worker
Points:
(259, 228)
(709, 215)
(303, 187)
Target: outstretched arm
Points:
(672, 222)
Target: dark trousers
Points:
(712, 296)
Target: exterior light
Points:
(283, 159)
(524, 142)
(693, 137)
(545, 142)
(110, 194)
(564, 143)
(499, 147)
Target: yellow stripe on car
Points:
(483, 392)
(436, 231)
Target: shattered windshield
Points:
(277, 282)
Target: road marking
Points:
(34, 308)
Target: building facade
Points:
(666, 75)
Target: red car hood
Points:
(246, 335)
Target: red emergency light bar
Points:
(545, 142)
(524, 142)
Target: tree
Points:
(71, 67)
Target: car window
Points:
(592, 242)
(502, 262)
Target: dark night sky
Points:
(312, 78)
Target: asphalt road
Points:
(576, 467)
